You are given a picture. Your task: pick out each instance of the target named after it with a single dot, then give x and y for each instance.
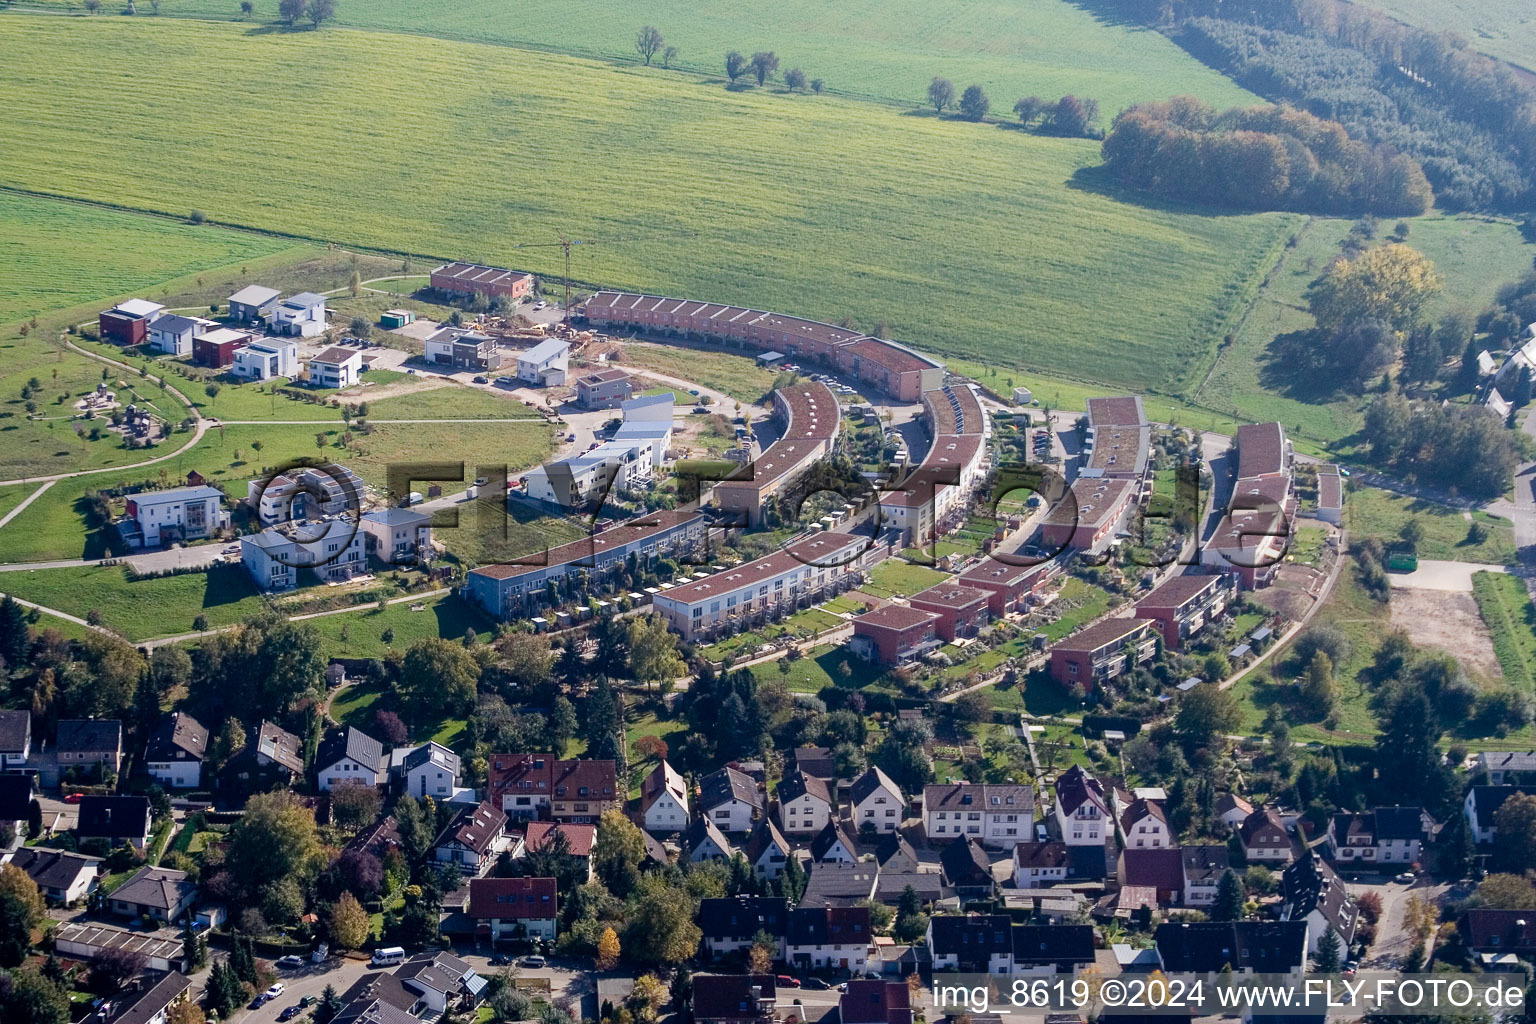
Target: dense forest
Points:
(1262, 158)
(1468, 119)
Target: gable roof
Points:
(89, 735)
(838, 884)
(352, 743)
(254, 295)
(956, 796)
(1075, 787)
(1274, 947)
(15, 730)
(114, 817)
(1505, 930)
(817, 761)
(703, 830)
(730, 996)
(281, 746)
(1159, 869)
(872, 779)
(972, 935)
(1310, 886)
(830, 835)
(894, 853)
(475, 828)
(765, 836)
(1139, 809)
(741, 917)
(1204, 865)
(965, 864)
(1263, 828)
(431, 752)
(1065, 945)
(161, 888)
(333, 356)
(663, 779)
(875, 1001)
(829, 926)
(436, 972)
(797, 783)
(725, 785)
(1040, 855)
(53, 869)
(512, 898)
(578, 838)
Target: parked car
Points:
(694, 392)
(73, 798)
(277, 989)
(308, 1001)
(482, 380)
(786, 981)
(290, 1013)
(540, 304)
(1406, 878)
(816, 984)
(501, 960)
(533, 961)
(290, 963)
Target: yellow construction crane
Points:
(566, 243)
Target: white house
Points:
(1203, 868)
(175, 753)
(650, 409)
(664, 800)
(997, 814)
(655, 438)
(179, 514)
(545, 364)
(767, 851)
(877, 800)
(1082, 808)
(1232, 809)
(160, 893)
(15, 738)
(439, 981)
(1314, 894)
(307, 493)
(610, 467)
(729, 800)
(399, 536)
(832, 846)
(62, 877)
(1038, 865)
(332, 549)
(507, 908)
(349, 756)
(805, 805)
(336, 367)
(473, 839)
(1386, 835)
(428, 770)
(253, 302)
(831, 937)
(301, 315)
(1264, 838)
(266, 359)
(704, 841)
(1145, 826)
(172, 333)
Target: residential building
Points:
(833, 846)
(730, 923)
(805, 804)
(931, 499)
(967, 870)
(1102, 651)
(266, 359)
(664, 800)
(817, 761)
(279, 749)
(521, 588)
(1144, 824)
(468, 280)
(652, 436)
(895, 634)
(462, 348)
(542, 785)
(997, 814)
(1247, 947)
(15, 806)
(1330, 495)
(336, 367)
(253, 303)
(1082, 808)
(1482, 803)
(161, 893)
(1264, 838)
(971, 944)
(734, 999)
(143, 1000)
(1009, 586)
(877, 801)
(441, 982)
(115, 820)
(814, 567)
(1119, 440)
(1090, 514)
(1203, 868)
(15, 739)
(703, 841)
(1039, 865)
(962, 611)
(216, 349)
(174, 756)
(767, 851)
(1181, 607)
(1507, 767)
(1392, 836)
(586, 480)
(1232, 809)
(171, 334)
(127, 323)
(301, 315)
(1160, 871)
(836, 883)
(61, 876)
(350, 756)
(829, 937)
(89, 741)
(875, 1001)
(331, 549)
(428, 770)
(160, 518)
(1250, 543)
(545, 365)
(313, 492)
(577, 839)
(1052, 948)
(1317, 896)
(398, 536)
(604, 389)
(810, 418)
(512, 908)
(730, 799)
(473, 839)
(1500, 938)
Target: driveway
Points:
(1432, 574)
(1393, 940)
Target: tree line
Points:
(1068, 116)
(762, 65)
(1261, 158)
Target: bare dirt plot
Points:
(1449, 621)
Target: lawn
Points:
(802, 623)
(141, 609)
(820, 206)
(450, 401)
(737, 376)
(896, 578)
(360, 634)
(1369, 512)
(1079, 603)
(884, 49)
(821, 668)
(357, 705)
(1307, 544)
(1474, 256)
(58, 254)
(1506, 609)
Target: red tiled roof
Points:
(1102, 634)
(578, 837)
(587, 548)
(512, 898)
(1179, 591)
(893, 616)
(1260, 449)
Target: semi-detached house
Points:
(998, 815)
(528, 786)
(1385, 835)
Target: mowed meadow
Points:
(972, 240)
(881, 49)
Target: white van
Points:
(388, 955)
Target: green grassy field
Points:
(1501, 28)
(360, 634)
(821, 668)
(141, 609)
(1374, 513)
(825, 207)
(1506, 609)
(887, 49)
(58, 254)
(1473, 255)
